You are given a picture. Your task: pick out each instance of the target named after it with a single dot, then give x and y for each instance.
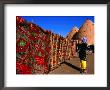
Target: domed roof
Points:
(86, 30)
(72, 33)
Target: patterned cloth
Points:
(84, 40)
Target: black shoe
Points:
(81, 71)
(84, 71)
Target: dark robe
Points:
(81, 48)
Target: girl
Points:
(82, 47)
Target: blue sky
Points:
(58, 24)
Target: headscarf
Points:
(84, 40)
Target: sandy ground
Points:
(72, 66)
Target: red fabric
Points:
(40, 60)
(23, 68)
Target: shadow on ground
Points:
(72, 66)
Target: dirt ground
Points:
(72, 66)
